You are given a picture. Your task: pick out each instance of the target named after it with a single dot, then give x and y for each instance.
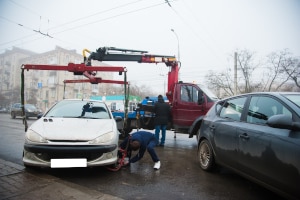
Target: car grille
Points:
(48, 156)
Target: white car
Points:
(73, 133)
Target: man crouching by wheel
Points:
(141, 141)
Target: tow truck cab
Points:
(190, 103)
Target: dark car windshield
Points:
(79, 109)
(295, 98)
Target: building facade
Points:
(45, 87)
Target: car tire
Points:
(205, 156)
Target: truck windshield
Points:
(209, 93)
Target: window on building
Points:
(132, 106)
(113, 106)
(47, 94)
(53, 93)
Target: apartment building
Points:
(45, 87)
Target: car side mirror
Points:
(283, 122)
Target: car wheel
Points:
(13, 115)
(205, 156)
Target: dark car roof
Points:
(276, 94)
(279, 95)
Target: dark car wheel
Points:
(205, 156)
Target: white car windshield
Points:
(79, 109)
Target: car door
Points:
(225, 131)
(186, 107)
(269, 154)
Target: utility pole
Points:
(235, 73)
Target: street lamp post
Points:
(177, 43)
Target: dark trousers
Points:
(150, 148)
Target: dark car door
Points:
(225, 135)
(269, 154)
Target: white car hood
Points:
(72, 128)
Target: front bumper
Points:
(96, 155)
(69, 148)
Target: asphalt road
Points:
(180, 177)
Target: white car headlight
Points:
(34, 137)
(106, 138)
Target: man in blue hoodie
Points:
(142, 141)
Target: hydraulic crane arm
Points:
(97, 80)
(77, 69)
(117, 54)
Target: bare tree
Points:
(221, 81)
(245, 60)
(277, 62)
(290, 66)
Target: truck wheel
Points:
(205, 156)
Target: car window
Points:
(30, 106)
(263, 107)
(233, 108)
(79, 109)
(17, 105)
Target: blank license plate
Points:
(65, 163)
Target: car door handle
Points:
(244, 136)
(212, 127)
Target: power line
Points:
(193, 30)
(79, 19)
(111, 17)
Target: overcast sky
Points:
(208, 31)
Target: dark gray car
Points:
(256, 135)
(30, 111)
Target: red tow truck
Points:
(189, 102)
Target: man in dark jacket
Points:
(141, 140)
(162, 115)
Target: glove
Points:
(126, 161)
